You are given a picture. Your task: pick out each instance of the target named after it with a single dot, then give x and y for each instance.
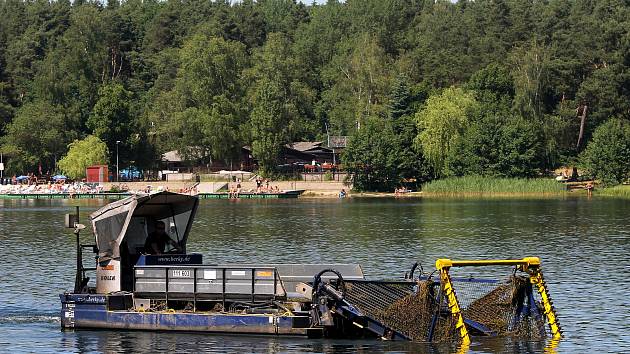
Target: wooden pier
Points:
(115, 196)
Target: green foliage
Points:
(622, 191)
(531, 70)
(210, 67)
(492, 85)
(271, 121)
(478, 185)
(372, 157)
(495, 146)
(192, 75)
(441, 124)
(200, 115)
(37, 135)
(400, 99)
(81, 154)
(110, 120)
(357, 84)
(607, 156)
(496, 142)
(281, 102)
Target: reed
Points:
(622, 191)
(478, 185)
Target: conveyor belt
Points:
(374, 297)
(403, 308)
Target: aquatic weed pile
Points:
(412, 315)
(498, 308)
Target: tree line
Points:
(424, 88)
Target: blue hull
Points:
(83, 311)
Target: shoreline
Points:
(328, 190)
(598, 193)
(310, 194)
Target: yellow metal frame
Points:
(453, 305)
(530, 265)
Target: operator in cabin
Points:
(158, 239)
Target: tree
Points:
(359, 82)
(271, 124)
(110, 120)
(412, 164)
(494, 86)
(37, 135)
(441, 123)
(81, 154)
(372, 157)
(210, 67)
(531, 64)
(496, 145)
(399, 99)
(282, 108)
(202, 114)
(607, 156)
(282, 15)
(164, 75)
(6, 109)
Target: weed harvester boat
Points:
(179, 292)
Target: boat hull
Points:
(87, 311)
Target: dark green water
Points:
(584, 245)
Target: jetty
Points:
(116, 196)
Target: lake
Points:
(584, 246)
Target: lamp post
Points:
(117, 170)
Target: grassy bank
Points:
(491, 186)
(616, 191)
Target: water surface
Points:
(584, 245)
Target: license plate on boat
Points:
(181, 273)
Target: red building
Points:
(97, 173)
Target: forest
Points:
(425, 89)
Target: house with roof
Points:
(293, 155)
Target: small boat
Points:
(176, 290)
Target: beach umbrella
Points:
(58, 177)
(21, 178)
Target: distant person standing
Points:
(589, 189)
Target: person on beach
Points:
(343, 193)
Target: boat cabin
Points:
(121, 230)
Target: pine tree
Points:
(399, 99)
